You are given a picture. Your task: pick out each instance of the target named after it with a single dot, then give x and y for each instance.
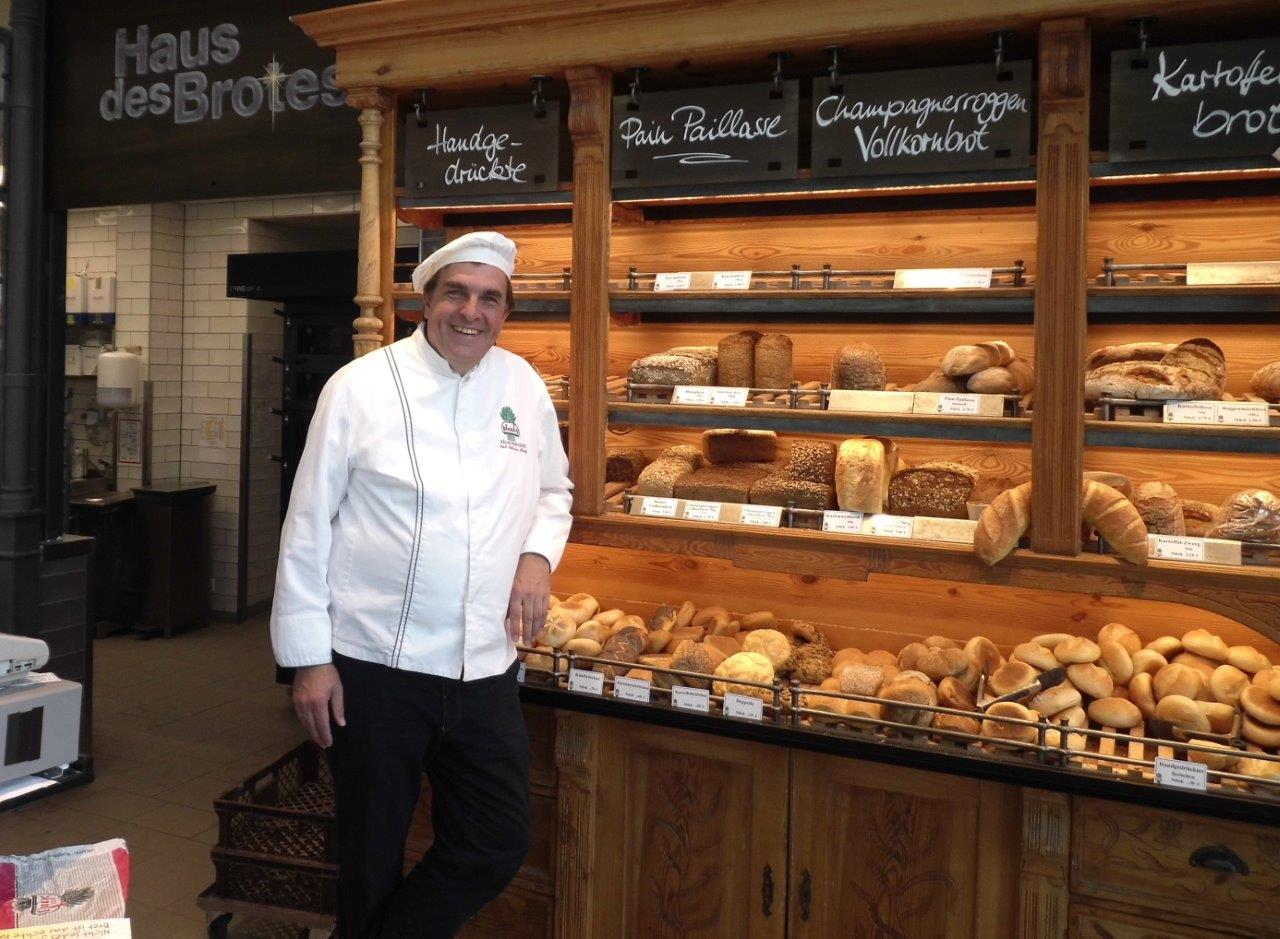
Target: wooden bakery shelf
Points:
(887, 302)
(1102, 174)
(1207, 439)
(1248, 595)
(783, 420)
(1247, 301)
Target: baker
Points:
(429, 508)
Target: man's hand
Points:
(317, 690)
(527, 609)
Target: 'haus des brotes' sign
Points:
(923, 121)
(1217, 99)
(697, 136)
(509, 148)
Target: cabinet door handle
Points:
(1220, 858)
(806, 894)
(766, 891)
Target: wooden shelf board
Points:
(1128, 174)
(882, 300)
(1250, 595)
(1212, 439)
(1175, 298)
(921, 426)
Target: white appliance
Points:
(39, 712)
(77, 293)
(102, 293)
(20, 655)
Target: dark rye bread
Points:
(939, 489)
(813, 461)
(739, 446)
(660, 477)
(736, 360)
(781, 489)
(773, 363)
(857, 367)
(730, 482)
(624, 465)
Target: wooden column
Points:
(374, 105)
(577, 763)
(590, 100)
(1046, 846)
(1062, 220)
(387, 223)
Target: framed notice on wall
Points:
(697, 136)
(923, 121)
(1202, 101)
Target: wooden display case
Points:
(640, 844)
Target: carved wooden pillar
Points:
(374, 105)
(1062, 222)
(1046, 846)
(590, 100)
(576, 762)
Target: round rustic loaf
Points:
(1266, 381)
(857, 366)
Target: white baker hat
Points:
(481, 247)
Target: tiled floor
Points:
(177, 722)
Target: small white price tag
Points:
(586, 681)
(731, 280)
(893, 526)
(695, 511)
(1191, 412)
(741, 705)
(656, 507)
(691, 699)
(846, 523)
(691, 394)
(708, 395)
(1182, 774)
(730, 397)
(521, 672)
(1176, 548)
(631, 689)
(766, 516)
(941, 278)
(1244, 413)
(676, 281)
(958, 404)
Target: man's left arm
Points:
(548, 532)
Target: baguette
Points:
(968, 360)
(1003, 523)
(1116, 520)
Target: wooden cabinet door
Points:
(886, 852)
(690, 835)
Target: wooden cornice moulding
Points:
(364, 98)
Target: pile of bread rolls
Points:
(1197, 682)
(991, 367)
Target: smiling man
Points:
(429, 508)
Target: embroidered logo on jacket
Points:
(510, 432)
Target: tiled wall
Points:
(91, 245)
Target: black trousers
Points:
(470, 739)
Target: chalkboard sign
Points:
(1199, 101)
(696, 136)
(923, 121)
(510, 148)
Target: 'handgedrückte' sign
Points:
(483, 151)
(923, 121)
(696, 136)
(1199, 101)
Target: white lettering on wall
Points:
(1172, 81)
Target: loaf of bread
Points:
(1201, 357)
(670, 368)
(969, 360)
(1115, 519)
(1003, 523)
(907, 691)
(1117, 481)
(739, 446)
(727, 482)
(624, 465)
(1199, 517)
(1150, 381)
(773, 365)
(813, 461)
(863, 471)
(1160, 508)
(1013, 378)
(1249, 515)
(1129, 352)
(781, 489)
(857, 366)
(736, 360)
(1266, 382)
(940, 489)
(941, 383)
(660, 477)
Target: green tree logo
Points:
(509, 426)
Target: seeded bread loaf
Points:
(729, 482)
(857, 366)
(668, 368)
(781, 489)
(773, 362)
(660, 477)
(736, 360)
(739, 446)
(939, 489)
(813, 461)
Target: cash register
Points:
(39, 712)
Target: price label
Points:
(691, 394)
(656, 507)
(1244, 414)
(521, 672)
(730, 397)
(941, 278)
(691, 699)
(1176, 548)
(676, 281)
(741, 705)
(958, 404)
(765, 516)
(845, 523)
(731, 280)
(1182, 774)
(707, 395)
(1191, 412)
(631, 689)
(893, 526)
(695, 511)
(586, 681)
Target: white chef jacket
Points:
(416, 494)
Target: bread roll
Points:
(1093, 680)
(1000, 380)
(1266, 382)
(736, 360)
(1117, 481)
(984, 654)
(857, 366)
(1221, 717)
(941, 383)
(540, 659)
(1200, 517)
(1259, 705)
(660, 477)
(1129, 352)
(813, 461)
(861, 679)
(1116, 660)
(773, 361)
(580, 607)
(558, 629)
(729, 645)
(1142, 693)
(1160, 507)
(668, 368)
(770, 643)
(1253, 766)
(1038, 657)
(1227, 684)
(1249, 515)
(1077, 649)
(690, 657)
(811, 662)
(1206, 644)
(625, 647)
(1149, 661)
(1011, 677)
(1168, 646)
(906, 691)
(1002, 524)
(1247, 659)
(1261, 734)
(1224, 759)
(1005, 729)
(1268, 679)
(968, 360)
(583, 646)
(745, 666)
(739, 446)
(609, 618)
(682, 633)
(1055, 699)
(1202, 665)
(863, 469)
(882, 657)
(952, 693)
(1116, 520)
(1115, 712)
(939, 489)
(1178, 680)
(657, 641)
(1119, 632)
(957, 723)
(1181, 711)
(941, 642)
(1051, 640)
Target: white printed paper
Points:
(1191, 412)
(958, 404)
(893, 526)
(941, 278)
(709, 395)
(730, 397)
(586, 681)
(695, 511)
(731, 280)
(741, 705)
(845, 523)
(673, 281)
(657, 507)
(1182, 774)
(1176, 548)
(691, 699)
(631, 689)
(765, 516)
(691, 394)
(1244, 413)
(84, 929)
